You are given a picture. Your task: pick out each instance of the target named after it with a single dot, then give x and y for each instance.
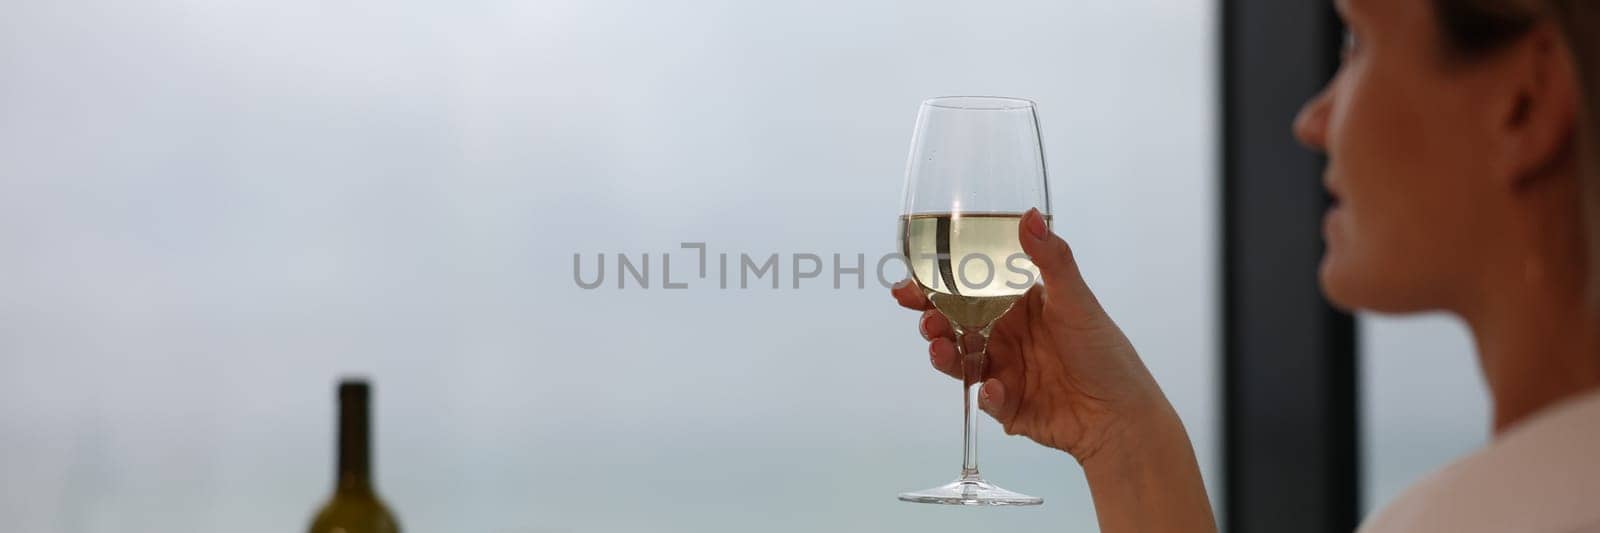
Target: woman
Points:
(1455, 152)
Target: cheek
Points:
(1398, 170)
(1371, 164)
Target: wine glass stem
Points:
(972, 367)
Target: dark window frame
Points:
(1290, 440)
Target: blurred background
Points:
(211, 211)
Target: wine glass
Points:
(976, 166)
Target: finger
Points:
(942, 353)
(934, 325)
(910, 296)
(992, 399)
(1062, 280)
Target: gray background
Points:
(211, 210)
(1423, 400)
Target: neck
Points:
(1537, 337)
(355, 446)
(351, 482)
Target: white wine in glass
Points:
(973, 263)
(976, 166)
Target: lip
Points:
(1332, 189)
(1334, 209)
(1329, 220)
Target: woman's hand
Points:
(1061, 372)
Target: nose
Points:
(1311, 125)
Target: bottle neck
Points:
(355, 442)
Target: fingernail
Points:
(922, 327)
(902, 283)
(1035, 222)
(985, 398)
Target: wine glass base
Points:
(974, 491)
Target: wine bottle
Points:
(355, 506)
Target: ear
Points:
(1539, 115)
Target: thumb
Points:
(1063, 283)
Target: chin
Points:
(1351, 286)
(1336, 285)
